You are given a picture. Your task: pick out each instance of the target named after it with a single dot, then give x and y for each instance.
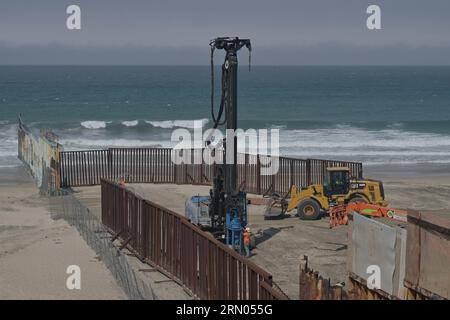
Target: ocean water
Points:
(378, 115)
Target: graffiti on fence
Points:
(40, 156)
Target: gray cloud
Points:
(178, 31)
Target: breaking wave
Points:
(162, 124)
(168, 124)
(378, 146)
(8, 145)
(79, 144)
(131, 123)
(341, 142)
(94, 124)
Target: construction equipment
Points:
(228, 204)
(338, 189)
(196, 210)
(339, 214)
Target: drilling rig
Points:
(227, 205)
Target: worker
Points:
(246, 236)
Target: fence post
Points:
(185, 177)
(308, 172)
(246, 165)
(202, 171)
(325, 164)
(60, 161)
(258, 174)
(274, 177)
(291, 170)
(108, 163)
(174, 166)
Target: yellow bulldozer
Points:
(338, 189)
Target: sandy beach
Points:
(36, 250)
(112, 121)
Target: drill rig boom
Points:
(228, 205)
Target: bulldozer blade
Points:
(274, 211)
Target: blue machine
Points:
(196, 210)
(236, 222)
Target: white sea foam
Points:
(365, 139)
(383, 146)
(71, 144)
(94, 124)
(131, 123)
(168, 124)
(278, 126)
(8, 146)
(388, 146)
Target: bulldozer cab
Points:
(337, 181)
(338, 188)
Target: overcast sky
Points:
(299, 32)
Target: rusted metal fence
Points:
(427, 274)
(314, 287)
(179, 249)
(155, 165)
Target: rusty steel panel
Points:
(428, 254)
(155, 165)
(314, 287)
(182, 251)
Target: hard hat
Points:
(247, 229)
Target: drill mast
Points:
(228, 206)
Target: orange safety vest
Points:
(246, 237)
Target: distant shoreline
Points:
(378, 171)
(407, 170)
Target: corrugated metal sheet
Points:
(376, 243)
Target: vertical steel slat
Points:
(174, 249)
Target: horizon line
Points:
(207, 65)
